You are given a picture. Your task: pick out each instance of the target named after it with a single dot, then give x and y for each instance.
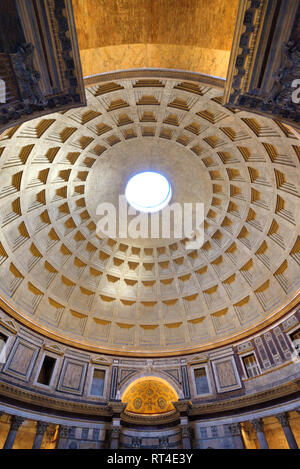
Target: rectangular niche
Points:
(98, 383)
(72, 376)
(21, 359)
(46, 370)
(226, 374)
(3, 342)
(201, 381)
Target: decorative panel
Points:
(226, 374)
(21, 359)
(72, 376)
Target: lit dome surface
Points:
(148, 191)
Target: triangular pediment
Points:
(203, 357)
(9, 324)
(55, 348)
(100, 360)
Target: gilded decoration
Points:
(149, 396)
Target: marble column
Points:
(40, 430)
(63, 433)
(182, 408)
(259, 428)
(16, 422)
(284, 422)
(116, 407)
(235, 430)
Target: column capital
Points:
(182, 407)
(50, 433)
(117, 407)
(63, 431)
(283, 419)
(41, 427)
(235, 429)
(16, 422)
(258, 425)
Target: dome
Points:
(149, 296)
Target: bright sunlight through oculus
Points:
(148, 191)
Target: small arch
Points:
(149, 395)
(153, 373)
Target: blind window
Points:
(46, 371)
(201, 381)
(98, 383)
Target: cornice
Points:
(246, 400)
(161, 419)
(93, 80)
(54, 403)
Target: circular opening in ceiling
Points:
(148, 191)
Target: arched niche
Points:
(147, 373)
(149, 395)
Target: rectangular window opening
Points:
(46, 371)
(295, 338)
(251, 366)
(295, 335)
(3, 340)
(98, 383)
(201, 380)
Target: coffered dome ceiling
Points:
(149, 296)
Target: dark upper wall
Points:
(39, 60)
(11, 33)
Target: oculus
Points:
(148, 191)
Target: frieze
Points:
(52, 402)
(245, 347)
(289, 323)
(246, 400)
